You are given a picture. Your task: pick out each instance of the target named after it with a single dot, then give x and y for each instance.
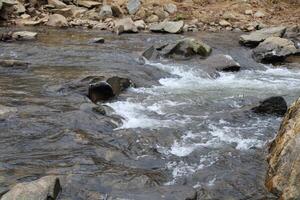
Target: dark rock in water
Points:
(293, 34)
(273, 105)
(118, 84)
(274, 49)
(100, 91)
(44, 188)
(150, 53)
(13, 63)
(254, 38)
(221, 62)
(98, 40)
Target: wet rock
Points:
(125, 25)
(118, 84)
(133, 6)
(106, 11)
(220, 62)
(44, 188)
(88, 4)
(13, 63)
(170, 8)
(24, 35)
(254, 38)
(274, 49)
(98, 40)
(100, 91)
(151, 53)
(168, 26)
(273, 105)
(283, 159)
(186, 48)
(57, 20)
(57, 3)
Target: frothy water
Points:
(207, 111)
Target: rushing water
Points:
(179, 127)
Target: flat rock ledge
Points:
(284, 161)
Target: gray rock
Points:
(293, 33)
(133, 6)
(220, 62)
(57, 3)
(106, 11)
(274, 49)
(273, 105)
(254, 38)
(24, 35)
(170, 8)
(168, 26)
(125, 25)
(119, 84)
(44, 188)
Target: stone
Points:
(133, 6)
(152, 19)
(47, 187)
(283, 159)
(161, 13)
(119, 84)
(168, 26)
(57, 3)
(24, 35)
(88, 4)
(98, 40)
(117, 11)
(224, 23)
(106, 11)
(259, 14)
(274, 49)
(185, 48)
(254, 38)
(125, 25)
(273, 105)
(170, 8)
(249, 12)
(19, 7)
(100, 91)
(77, 11)
(220, 62)
(57, 20)
(13, 63)
(66, 12)
(140, 24)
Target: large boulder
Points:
(284, 161)
(254, 38)
(44, 188)
(168, 27)
(125, 25)
(57, 20)
(273, 105)
(274, 49)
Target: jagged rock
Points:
(88, 4)
(125, 25)
(274, 49)
(57, 3)
(254, 38)
(57, 20)
(273, 105)
(24, 35)
(168, 26)
(47, 187)
(283, 159)
(106, 11)
(170, 8)
(220, 62)
(133, 6)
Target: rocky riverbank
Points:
(164, 16)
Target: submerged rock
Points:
(44, 188)
(254, 38)
(283, 159)
(273, 105)
(274, 49)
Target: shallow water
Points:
(178, 127)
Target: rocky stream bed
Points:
(178, 132)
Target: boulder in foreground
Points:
(254, 38)
(44, 188)
(273, 105)
(284, 161)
